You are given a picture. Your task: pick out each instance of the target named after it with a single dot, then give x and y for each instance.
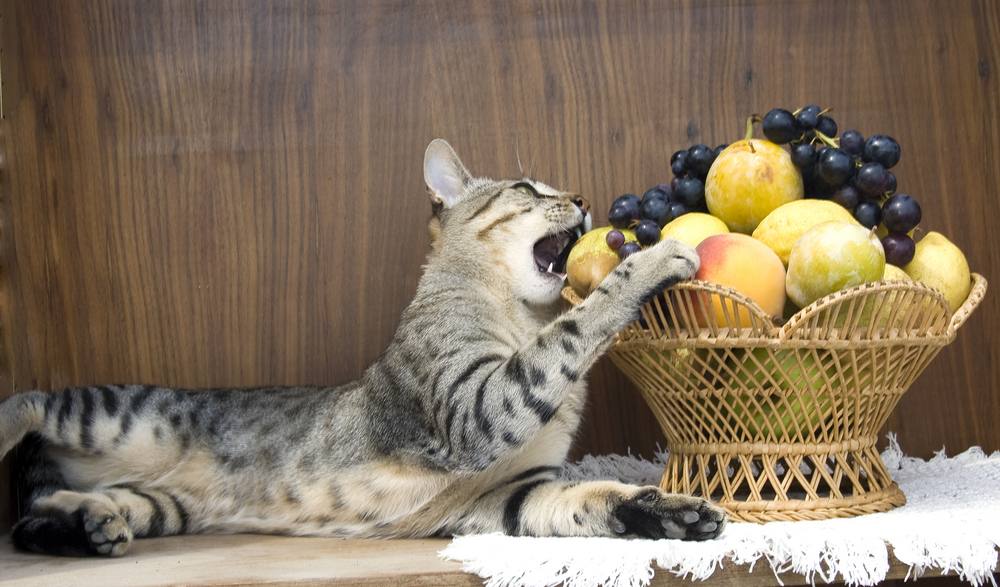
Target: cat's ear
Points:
(444, 174)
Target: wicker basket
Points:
(781, 422)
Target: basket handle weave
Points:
(971, 302)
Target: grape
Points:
(615, 239)
(803, 155)
(807, 118)
(870, 179)
(720, 148)
(678, 163)
(690, 191)
(677, 209)
(628, 249)
(869, 214)
(623, 214)
(852, 142)
(631, 199)
(673, 185)
(779, 126)
(827, 126)
(655, 209)
(647, 232)
(654, 193)
(901, 213)
(890, 184)
(700, 159)
(899, 249)
(835, 167)
(847, 196)
(882, 149)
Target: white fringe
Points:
(951, 522)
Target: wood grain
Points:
(212, 193)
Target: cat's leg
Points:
(102, 523)
(546, 507)
(489, 404)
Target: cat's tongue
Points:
(551, 253)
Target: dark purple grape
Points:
(827, 126)
(779, 126)
(852, 142)
(847, 196)
(690, 191)
(673, 184)
(817, 188)
(890, 184)
(901, 213)
(628, 249)
(871, 179)
(882, 149)
(835, 167)
(655, 209)
(719, 149)
(654, 193)
(647, 232)
(623, 214)
(700, 159)
(869, 214)
(678, 163)
(630, 198)
(899, 249)
(615, 239)
(807, 118)
(803, 155)
(677, 209)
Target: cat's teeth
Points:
(550, 267)
(587, 223)
(578, 232)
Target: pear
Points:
(938, 263)
(591, 259)
(893, 273)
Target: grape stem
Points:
(828, 141)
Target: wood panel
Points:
(210, 193)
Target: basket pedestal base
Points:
(784, 482)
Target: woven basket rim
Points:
(773, 333)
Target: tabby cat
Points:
(460, 426)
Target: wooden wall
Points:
(214, 192)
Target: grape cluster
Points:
(851, 171)
(690, 168)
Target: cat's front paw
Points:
(652, 513)
(664, 264)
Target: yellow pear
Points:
(694, 227)
(893, 273)
(938, 263)
(591, 259)
(786, 223)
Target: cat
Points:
(459, 427)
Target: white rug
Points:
(951, 522)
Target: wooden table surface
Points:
(275, 560)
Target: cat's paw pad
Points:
(107, 532)
(651, 513)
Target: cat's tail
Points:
(19, 415)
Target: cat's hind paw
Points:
(652, 513)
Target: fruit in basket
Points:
(693, 228)
(748, 180)
(725, 260)
(940, 264)
(830, 257)
(782, 227)
(789, 383)
(591, 259)
(893, 273)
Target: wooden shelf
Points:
(277, 560)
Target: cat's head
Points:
(518, 232)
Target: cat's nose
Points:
(581, 203)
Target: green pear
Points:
(938, 263)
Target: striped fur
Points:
(460, 426)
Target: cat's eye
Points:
(526, 188)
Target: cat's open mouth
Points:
(552, 251)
